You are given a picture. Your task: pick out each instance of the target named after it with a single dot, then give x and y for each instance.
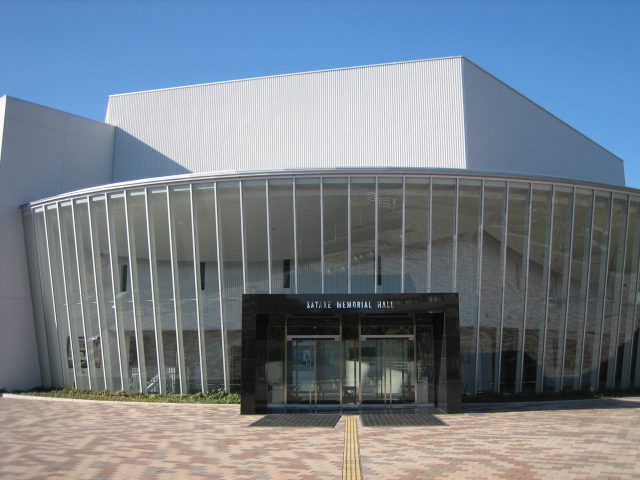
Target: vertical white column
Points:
(75, 354)
(595, 382)
(586, 310)
(196, 285)
(480, 248)
(114, 274)
(503, 255)
(57, 321)
(223, 324)
(135, 296)
(376, 251)
(82, 294)
(525, 261)
(157, 324)
(175, 279)
(322, 232)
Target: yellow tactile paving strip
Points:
(351, 469)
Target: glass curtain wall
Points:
(140, 289)
(389, 274)
(468, 267)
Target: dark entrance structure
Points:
(350, 352)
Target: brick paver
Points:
(100, 440)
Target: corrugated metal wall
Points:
(506, 132)
(395, 115)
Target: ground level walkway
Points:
(586, 439)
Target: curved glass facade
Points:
(139, 287)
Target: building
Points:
(429, 182)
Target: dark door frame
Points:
(259, 309)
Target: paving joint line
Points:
(351, 467)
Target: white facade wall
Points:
(396, 115)
(442, 113)
(506, 132)
(43, 152)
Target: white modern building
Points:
(127, 247)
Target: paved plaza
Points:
(586, 439)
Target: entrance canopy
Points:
(350, 351)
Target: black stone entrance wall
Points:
(262, 311)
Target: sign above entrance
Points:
(349, 304)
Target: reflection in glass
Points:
(538, 273)
(615, 271)
(468, 229)
(208, 286)
(515, 272)
(417, 235)
(578, 286)
(390, 208)
(490, 315)
(363, 234)
(308, 236)
(595, 299)
(281, 223)
(335, 204)
(443, 224)
(230, 235)
(558, 286)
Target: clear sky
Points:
(578, 59)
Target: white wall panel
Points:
(506, 132)
(396, 115)
(43, 152)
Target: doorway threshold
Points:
(354, 409)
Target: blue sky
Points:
(578, 59)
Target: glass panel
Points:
(335, 234)
(282, 238)
(275, 366)
(558, 286)
(314, 371)
(514, 286)
(363, 223)
(187, 307)
(540, 234)
(615, 271)
(469, 215)
(629, 295)
(350, 363)
(597, 279)
(143, 298)
(124, 297)
(491, 296)
(389, 235)
(92, 321)
(254, 204)
(425, 387)
(205, 217)
(443, 223)
(578, 288)
(308, 235)
(78, 339)
(102, 264)
(59, 296)
(387, 370)
(164, 299)
(229, 218)
(417, 235)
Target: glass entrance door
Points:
(387, 369)
(313, 370)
